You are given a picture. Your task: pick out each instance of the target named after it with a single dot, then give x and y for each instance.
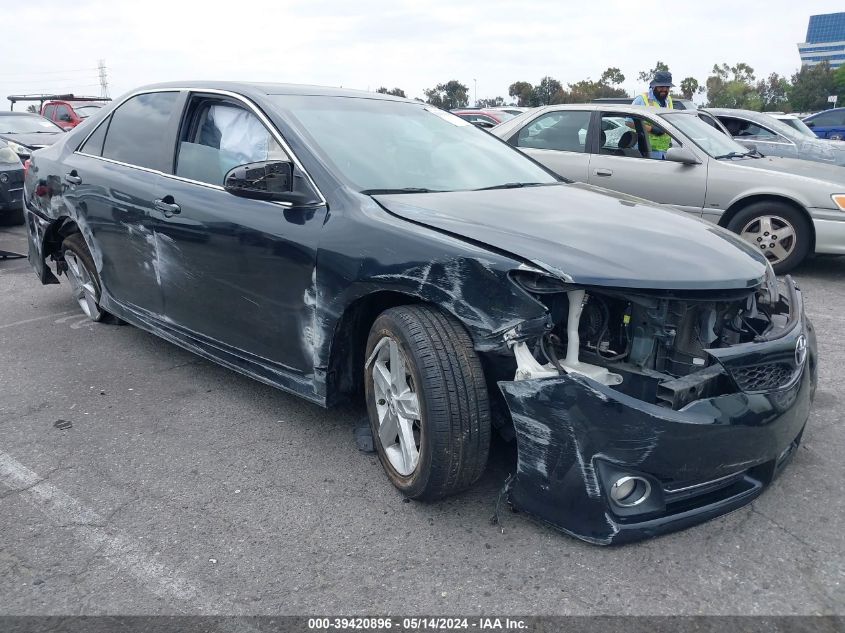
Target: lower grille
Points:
(764, 377)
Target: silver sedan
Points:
(772, 137)
(787, 208)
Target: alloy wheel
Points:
(82, 286)
(773, 235)
(397, 406)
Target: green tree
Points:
(396, 92)
(545, 91)
(32, 108)
(733, 87)
(586, 90)
(839, 83)
(453, 94)
(495, 102)
(647, 75)
(689, 86)
(774, 93)
(522, 91)
(811, 86)
(612, 77)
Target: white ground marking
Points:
(112, 544)
(46, 316)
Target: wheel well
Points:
(350, 341)
(56, 234)
(739, 205)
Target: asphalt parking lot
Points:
(136, 478)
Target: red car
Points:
(69, 114)
(483, 118)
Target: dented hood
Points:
(590, 236)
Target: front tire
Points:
(427, 402)
(780, 231)
(84, 280)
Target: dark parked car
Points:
(828, 124)
(650, 367)
(11, 186)
(26, 132)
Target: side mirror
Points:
(681, 155)
(265, 180)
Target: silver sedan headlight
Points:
(8, 156)
(20, 150)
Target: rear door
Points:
(625, 163)
(112, 181)
(240, 272)
(558, 140)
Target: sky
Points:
(364, 44)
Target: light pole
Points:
(475, 91)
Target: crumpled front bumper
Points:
(576, 436)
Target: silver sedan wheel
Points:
(773, 235)
(82, 286)
(397, 406)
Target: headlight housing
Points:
(20, 150)
(8, 156)
(839, 200)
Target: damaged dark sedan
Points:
(335, 244)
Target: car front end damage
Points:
(641, 412)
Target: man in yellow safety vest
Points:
(657, 97)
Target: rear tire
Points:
(780, 231)
(427, 402)
(84, 280)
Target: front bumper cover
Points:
(576, 436)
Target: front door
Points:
(626, 162)
(240, 272)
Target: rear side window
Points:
(836, 117)
(49, 111)
(564, 131)
(94, 144)
(63, 113)
(138, 133)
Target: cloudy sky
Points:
(54, 46)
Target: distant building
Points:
(825, 40)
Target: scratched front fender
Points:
(576, 436)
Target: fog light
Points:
(630, 491)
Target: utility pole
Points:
(104, 81)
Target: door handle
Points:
(603, 172)
(167, 206)
(73, 178)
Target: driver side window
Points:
(633, 136)
(218, 136)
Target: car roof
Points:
(627, 109)
(271, 89)
(24, 113)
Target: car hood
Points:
(590, 236)
(795, 167)
(34, 140)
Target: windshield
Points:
(27, 124)
(708, 138)
(392, 145)
(83, 112)
(799, 125)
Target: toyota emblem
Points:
(800, 350)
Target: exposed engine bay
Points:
(650, 345)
